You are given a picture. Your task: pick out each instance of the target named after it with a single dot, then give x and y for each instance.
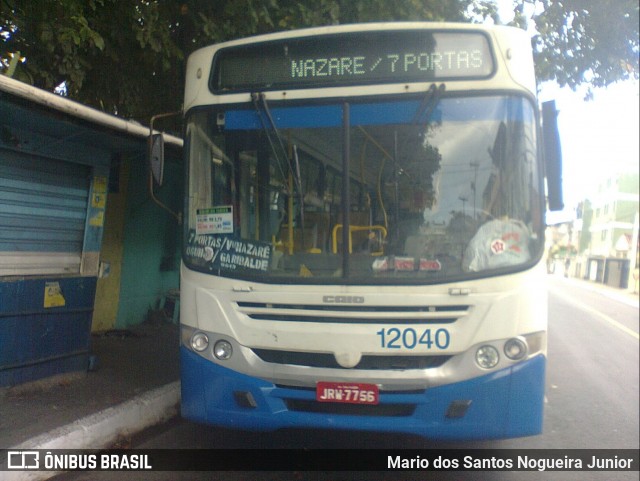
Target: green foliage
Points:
(118, 56)
(586, 41)
(127, 56)
(55, 37)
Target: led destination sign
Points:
(354, 58)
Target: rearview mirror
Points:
(552, 155)
(156, 157)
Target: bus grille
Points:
(369, 362)
(353, 314)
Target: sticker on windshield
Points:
(215, 220)
(228, 253)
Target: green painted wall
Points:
(152, 243)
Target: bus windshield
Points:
(418, 190)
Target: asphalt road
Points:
(592, 402)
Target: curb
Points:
(102, 429)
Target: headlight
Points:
(199, 341)
(515, 349)
(222, 350)
(487, 357)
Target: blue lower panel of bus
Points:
(507, 403)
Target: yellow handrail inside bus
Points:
(356, 228)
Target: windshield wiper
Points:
(429, 102)
(258, 98)
(261, 105)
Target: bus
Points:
(363, 232)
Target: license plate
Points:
(350, 393)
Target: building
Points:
(606, 231)
(82, 244)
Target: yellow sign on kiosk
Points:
(53, 295)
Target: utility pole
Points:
(464, 201)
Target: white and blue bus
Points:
(363, 232)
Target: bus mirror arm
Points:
(156, 162)
(552, 155)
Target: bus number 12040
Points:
(409, 338)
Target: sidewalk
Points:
(134, 386)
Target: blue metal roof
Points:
(27, 112)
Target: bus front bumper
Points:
(503, 404)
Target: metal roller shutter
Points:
(43, 212)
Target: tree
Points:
(127, 56)
(593, 42)
(113, 55)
